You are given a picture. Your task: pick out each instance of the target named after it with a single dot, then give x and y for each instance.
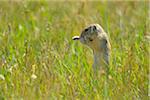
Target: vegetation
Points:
(39, 59)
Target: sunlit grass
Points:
(38, 58)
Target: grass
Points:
(39, 60)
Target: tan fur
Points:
(96, 38)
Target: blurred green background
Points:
(39, 60)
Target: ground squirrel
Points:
(96, 38)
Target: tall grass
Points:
(38, 58)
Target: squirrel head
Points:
(90, 34)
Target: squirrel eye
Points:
(86, 30)
(94, 27)
(90, 39)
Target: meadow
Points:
(39, 59)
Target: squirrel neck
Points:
(101, 57)
(97, 59)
